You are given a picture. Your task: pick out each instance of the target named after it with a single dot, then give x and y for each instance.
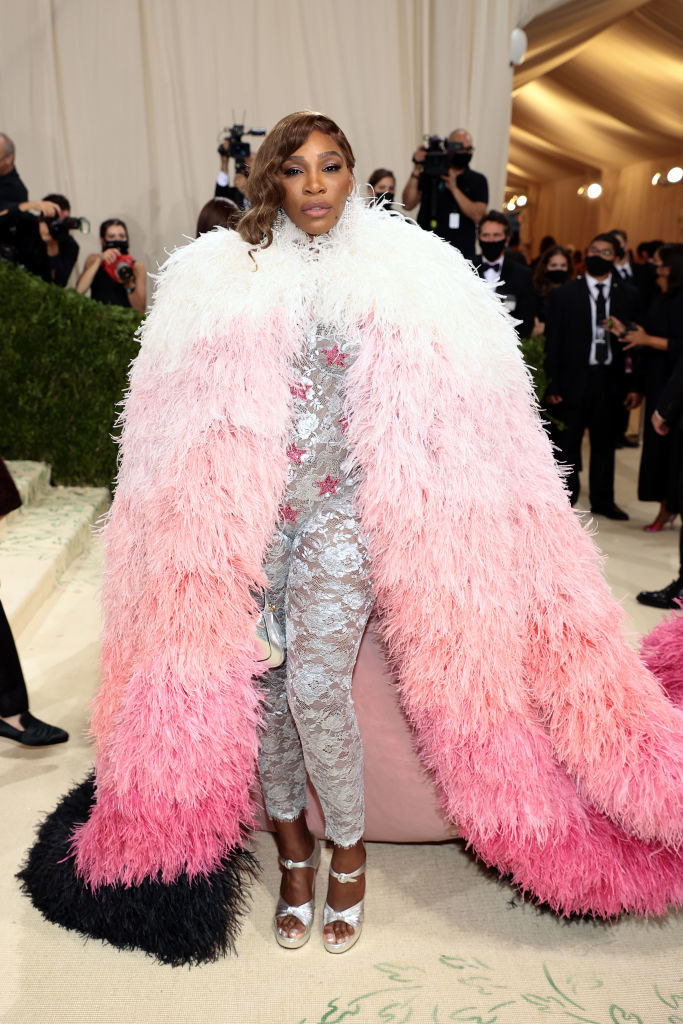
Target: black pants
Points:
(13, 695)
(597, 412)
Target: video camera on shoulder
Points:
(232, 144)
(439, 156)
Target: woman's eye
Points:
(289, 171)
(332, 167)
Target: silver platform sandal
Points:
(304, 912)
(352, 915)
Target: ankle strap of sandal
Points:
(348, 876)
(310, 862)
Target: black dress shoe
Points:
(666, 598)
(35, 733)
(610, 511)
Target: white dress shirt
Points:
(599, 333)
(492, 273)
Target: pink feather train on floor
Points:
(557, 753)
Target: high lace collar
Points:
(286, 232)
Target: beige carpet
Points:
(444, 941)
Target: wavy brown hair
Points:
(541, 282)
(264, 189)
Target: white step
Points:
(40, 542)
(33, 483)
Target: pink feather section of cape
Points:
(556, 752)
(662, 651)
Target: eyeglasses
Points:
(595, 251)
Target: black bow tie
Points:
(490, 266)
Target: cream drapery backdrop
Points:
(118, 104)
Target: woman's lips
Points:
(319, 210)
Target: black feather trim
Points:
(189, 921)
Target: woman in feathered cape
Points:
(556, 753)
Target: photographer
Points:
(113, 276)
(231, 144)
(224, 190)
(44, 245)
(12, 188)
(451, 202)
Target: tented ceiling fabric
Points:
(601, 87)
(117, 105)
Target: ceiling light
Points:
(656, 177)
(674, 175)
(521, 201)
(580, 191)
(510, 206)
(594, 190)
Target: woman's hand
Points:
(614, 324)
(110, 256)
(637, 337)
(659, 423)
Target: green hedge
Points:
(63, 367)
(533, 353)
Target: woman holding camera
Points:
(325, 403)
(113, 276)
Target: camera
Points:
(231, 142)
(121, 271)
(439, 156)
(437, 159)
(60, 228)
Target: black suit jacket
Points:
(517, 280)
(645, 284)
(229, 192)
(569, 336)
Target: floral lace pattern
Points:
(320, 587)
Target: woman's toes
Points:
(290, 927)
(338, 931)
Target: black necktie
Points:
(600, 314)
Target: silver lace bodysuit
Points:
(320, 587)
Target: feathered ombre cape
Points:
(556, 752)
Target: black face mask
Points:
(460, 160)
(492, 250)
(597, 266)
(386, 196)
(121, 246)
(557, 276)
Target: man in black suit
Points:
(513, 281)
(640, 276)
(589, 378)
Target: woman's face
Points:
(316, 182)
(661, 271)
(114, 233)
(385, 185)
(557, 262)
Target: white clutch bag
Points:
(270, 639)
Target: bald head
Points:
(461, 135)
(6, 154)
